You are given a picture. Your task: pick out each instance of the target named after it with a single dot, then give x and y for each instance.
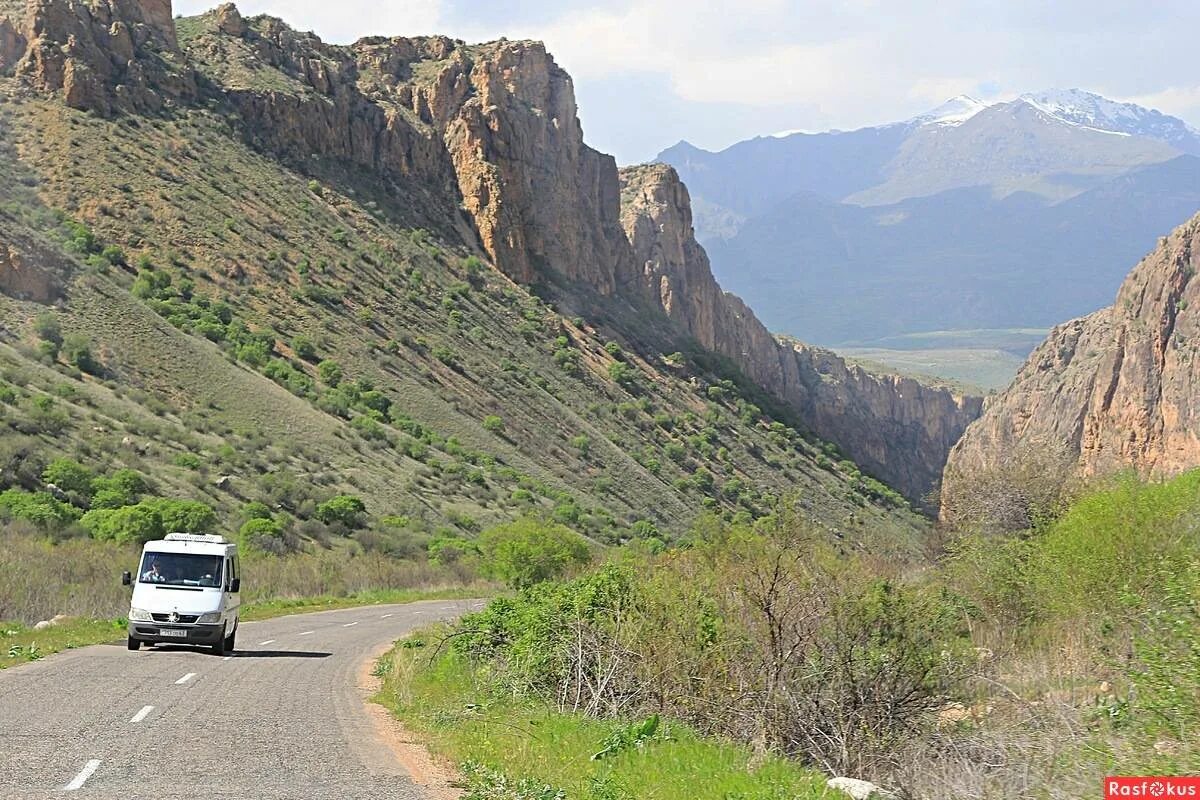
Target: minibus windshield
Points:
(181, 569)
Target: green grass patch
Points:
(20, 644)
(305, 605)
(514, 748)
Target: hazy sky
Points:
(651, 72)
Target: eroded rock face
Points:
(28, 272)
(541, 198)
(330, 114)
(897, 428)
(229, 20)
(12, 44)
(1115, 390)
(105, 55)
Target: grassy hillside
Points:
(238, 332)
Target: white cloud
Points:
(848, 64)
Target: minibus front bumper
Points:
(166, 633)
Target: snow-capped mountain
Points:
(944, 220)
(1077, 107)
(954, 111)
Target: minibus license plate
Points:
(172, 632)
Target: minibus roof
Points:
(192, 543)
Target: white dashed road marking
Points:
(185, 679)
(141, 715)
(385, 616)
(349, 624)
(308, 633)
(79, 780)
(268, 641)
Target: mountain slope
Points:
(1008, 147)
(1093, 111)
(237, 213)
(891, 425)
(962, 259)
(751, 177)
(1107, 392)
(1009, 215)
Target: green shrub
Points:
(368, 428)
(1166, 678)
(183, 516)
(77, 349)
(529, 551)
(188, 461)
(255, 510)
(46, 326)
(567, 358)
(330, 372)
(493, 424)
(258, 531)
(345, 509)
(123, 488)
(304, 348)
(114, 255)
(529, 636)
(150, 283)
(130, 524)
(446, 355)
(70, 476)
(1129, 530)
(446, 550)
(622, 374)
(39, 508)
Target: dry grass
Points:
(40, 579)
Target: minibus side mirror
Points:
(236, 585)
(126, 578)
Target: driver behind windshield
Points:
(153, 574)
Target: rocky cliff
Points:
(894, 427)
(102, 55)
(1115, 390)
(492, 130)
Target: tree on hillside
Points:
(70, 476)
(530, 551)
(345, 509)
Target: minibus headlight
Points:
(210, 618)
(138, 615)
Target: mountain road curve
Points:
(282, 717)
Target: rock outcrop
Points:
(12, 44)
(492, 130)
(105, 55)
(894, 427)
(1116, 390)
(28, 271)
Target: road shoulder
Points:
(435, 775)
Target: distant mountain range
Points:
(1015, 214)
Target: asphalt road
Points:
(283, 717)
